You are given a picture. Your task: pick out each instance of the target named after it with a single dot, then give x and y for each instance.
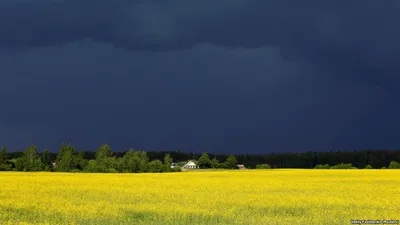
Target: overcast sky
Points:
(228, 76)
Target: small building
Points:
(240, 166)
(190, 165)
(173, 165)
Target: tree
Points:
(93, 167)
(204, 161)
(109, 163)
(79, 161)
(103, 152)
(30, 160)
(104, 160)
(214, 163)
(65, 158)
(45, 159)
(144, 161)
(130, 162)
(19, 164)
(167, 160)
(119, 166)
(231, 162)
(167, 163)
(3, 156)
(4, 164)
(155, 166)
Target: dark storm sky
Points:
(233, 76)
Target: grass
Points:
(215, 197)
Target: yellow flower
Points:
(218, 197)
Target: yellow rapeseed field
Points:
(217, 197)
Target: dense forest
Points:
(104, 160)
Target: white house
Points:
(240, 166)
(190, 165)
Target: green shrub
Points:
(177, 169)
(5, 167)
(263, 166)
(368, 167)
(394, 165)
(112, 170)
(343, 166)
(319, 166)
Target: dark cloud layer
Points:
(200, 99)
(337, 29)
(217, 76)
(357, 39)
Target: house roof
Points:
(190, 163)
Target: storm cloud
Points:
(308, 27)
(201, 75)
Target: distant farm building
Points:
(190, 165)
(241, 166)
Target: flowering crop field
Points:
(276, 196)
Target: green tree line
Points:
(104, 160)
(69, 160)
